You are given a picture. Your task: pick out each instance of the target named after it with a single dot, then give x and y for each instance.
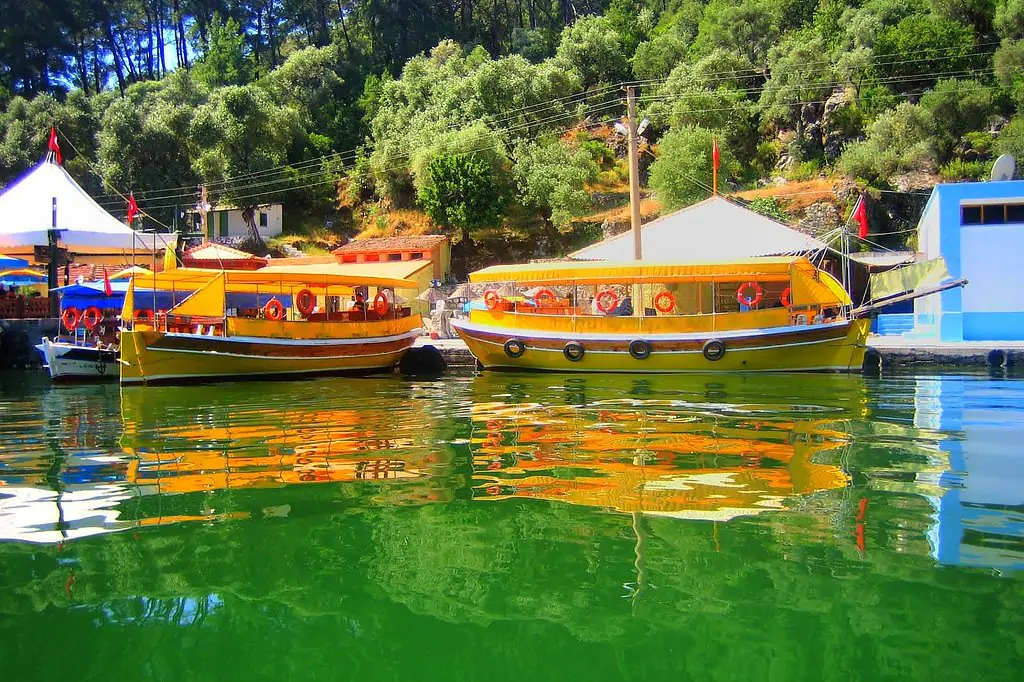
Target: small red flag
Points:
(107, 291)
(714, 152)
(133, 208)
(54, 147)
(860, 214)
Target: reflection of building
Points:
(650, 461)
(978, 498)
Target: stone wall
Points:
(18, 339)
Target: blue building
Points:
(978, 227)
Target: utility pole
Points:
(634, 172)
(204, 207)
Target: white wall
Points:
(990, 260)
(238, 228)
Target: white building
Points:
(226, 221)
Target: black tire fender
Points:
(714, 349)
(639, 349)
(573, 351)
(514, 348)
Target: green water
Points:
(514, 527)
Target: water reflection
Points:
(659, 449)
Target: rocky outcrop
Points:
(819, 219)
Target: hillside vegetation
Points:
(494, 121)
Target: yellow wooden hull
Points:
(150, 356)
(836, 346)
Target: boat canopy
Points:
(284, 280)
(809, 283)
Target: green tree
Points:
(797, 77)
(956, 107)
(682, 173)
(1009, 19)
(594, 49)
(1011, 140)
(897, 141)
(938, 46)
(552, 178)
(1009, 68)
(462, 195)
(657, 57)
(749, 28)
(224, 61)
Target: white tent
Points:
(27, 210)
(714, 230)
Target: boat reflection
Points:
(657, 447)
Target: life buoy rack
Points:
(639, 349)
(713, 350)
(273, 310)
(749, 301)
(574, 351)
(492, 299)
(514, 348)
(664, 302)
(70, 317)
(381, 304)
(607, 300)
(145, 316)
(305, 302)
(545, 293)
(91, 317)
(785, 298)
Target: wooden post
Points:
(634, 173)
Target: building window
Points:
(371, 257)
(264, 219)
(1015, 213)
(415, 255)
(993, 214)
(394, 256)
(970, 215)
(348, 258)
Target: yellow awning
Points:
(286, 279)
(133, 271)
(579, 272)
(207, 300)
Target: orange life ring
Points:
(610, 296)
(273, 310)
(70, 318)
(753, 300)
(145, 316)
(91, 317)
(381, 304)
(784, 299)
(545, 293)
(492, 299)
(664, 302)
(305, 301)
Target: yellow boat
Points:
(759, 314)
(243, 324)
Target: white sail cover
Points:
(26, 216)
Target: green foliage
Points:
(749, 28)
(1011, 140)
(657, 57)
(796, 77)
(1009, 19)
(956, 107)
(959, 170)
(804, 170)
(462, 194)
(770, 206)
(1009, 68)
(594, 49)
(939, 45)
(224, 61)
(682, 174)
(551, 179)
(898, 141)
(624, 16)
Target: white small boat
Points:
(77, 361)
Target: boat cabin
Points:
(628, 296)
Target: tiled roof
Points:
(425, 241)
(208, 251)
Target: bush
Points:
(958, 170)
(805, 170)
(770, 206)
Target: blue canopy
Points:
(91, 294)
(11, 263)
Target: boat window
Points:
(678, 298)
(765, 295)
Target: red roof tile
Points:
(425, 241)
(217, 252)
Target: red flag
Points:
(107, 291)
(714, 152)
(54, 147)
(133, 208)
(860, 214)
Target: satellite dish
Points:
(1003, 168)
